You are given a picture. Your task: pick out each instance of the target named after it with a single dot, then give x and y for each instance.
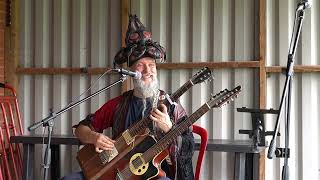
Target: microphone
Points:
(305, 4)
(135, 75)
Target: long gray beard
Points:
(146, 90)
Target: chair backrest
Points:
(204, 141)
(10, 125)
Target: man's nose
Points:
(146, 69)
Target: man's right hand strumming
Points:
(103, 142)
(100, 141)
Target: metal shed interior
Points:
(58, 48)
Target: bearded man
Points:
(140, 54)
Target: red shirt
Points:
(104, 115)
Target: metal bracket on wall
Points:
(258, 132)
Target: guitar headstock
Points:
(201, 75)
(224, 97)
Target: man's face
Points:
(147, 67)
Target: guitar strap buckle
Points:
(170, 100)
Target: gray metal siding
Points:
(82, 33)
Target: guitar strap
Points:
(121, 110)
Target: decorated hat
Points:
(138, 45)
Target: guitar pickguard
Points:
(136, 165)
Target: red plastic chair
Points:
(204, 141)
(10, 124)
(4, 163)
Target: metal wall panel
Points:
(82, 33)
(304, 133)
(65, 33)
(202, 31)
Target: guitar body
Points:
(92, 166)
(89, 160)
(150, 170)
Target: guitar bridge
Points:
(127, 137)
(107, 156)
(119, 176)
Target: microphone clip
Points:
(282, 152)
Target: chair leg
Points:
(4, 161)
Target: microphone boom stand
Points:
(49, 122)
(286, 94)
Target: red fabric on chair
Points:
(204, 141)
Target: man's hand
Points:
(161, 118)
(102, 142)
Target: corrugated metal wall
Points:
(79, 33)
(304, 127)
(66, 34)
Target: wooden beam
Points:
(2, 43)
(125, 86)
(296, 68)
(262, 52)
(12, 46)
(52, 71)
(211, 65)
(176, 66)
(262, 75)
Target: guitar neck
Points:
(184, 88)
(216, 101)
(163, 143)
